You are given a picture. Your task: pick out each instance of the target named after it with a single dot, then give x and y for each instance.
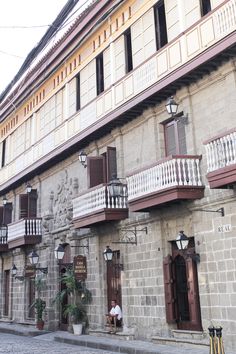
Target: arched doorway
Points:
(181, 288)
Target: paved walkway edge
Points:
(111, 346)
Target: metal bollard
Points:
(216, 342)
(220, 347)
(212, 340)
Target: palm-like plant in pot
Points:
(79, 297)
(39, 304)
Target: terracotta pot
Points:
(40, 325)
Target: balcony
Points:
(3, 238)
(24, 232)
(172, 179)
(96, 206)
(221, 160)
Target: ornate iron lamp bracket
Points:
(129, 236)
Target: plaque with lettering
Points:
(80, 267)
(29, 271)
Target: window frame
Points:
(100, 74)
(161, 36)
(128, 51)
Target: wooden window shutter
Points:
(96, 170)
(1, 215)
(193, 293)
(33, 203)
(175, 138)
(23, 206)
(7, 214)
(111, 162)
(169, 289)
(181, 138)
(170, 139)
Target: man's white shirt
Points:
(116, 311)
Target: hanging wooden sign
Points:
(80, 267)
(29, 271)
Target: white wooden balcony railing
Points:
(173, 171)
(98, 198)
(221, 151)
(3, 235)
(25, 227)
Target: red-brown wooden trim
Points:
(3, 247)
(167, 195)
(24, 241)
(222, 177)
(99, 216)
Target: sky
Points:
(22, 25)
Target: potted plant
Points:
(39, 304)
(39, 307)
(79, 296)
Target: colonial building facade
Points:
(102, 89)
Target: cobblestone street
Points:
(11, 343)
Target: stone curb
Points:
(26, 333)
(111, 346)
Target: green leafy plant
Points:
(39, 306)
(79, 296)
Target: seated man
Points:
(114, 317)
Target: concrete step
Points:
(182, 342)
(199, 335)
(105, 333)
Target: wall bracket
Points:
(129, 236)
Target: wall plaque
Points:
(29, 271)
(80, 267)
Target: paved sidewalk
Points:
(104, 343)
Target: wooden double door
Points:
(114, 280)
(181, 291)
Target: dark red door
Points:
(6, 292)
(114, 280)
(181, 291)
(63, 318)
(31, 296)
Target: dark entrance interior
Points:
(6, 292)
(63, 319)
(181, 289)
(114, 280)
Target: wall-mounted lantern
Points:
(83, 158)
(34, 259)
(108, 254)
(172, 108)
(182, 241)
(28, 188)
(59, 252)
(115, 187)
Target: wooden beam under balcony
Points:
(173, 179)
(223, 177)
(96, 206)
(101, 216)
(24, 232)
